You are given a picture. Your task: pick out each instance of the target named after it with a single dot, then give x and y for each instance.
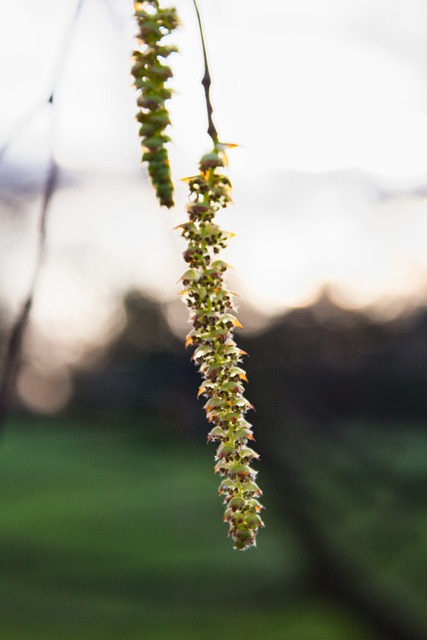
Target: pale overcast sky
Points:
(328, 102)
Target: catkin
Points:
(151, 74)
(216, 353)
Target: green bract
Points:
(151, 73)
(216, 354)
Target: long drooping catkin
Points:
(216, 354)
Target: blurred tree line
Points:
(321, 365)
(341, 403)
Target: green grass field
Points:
(105, 536)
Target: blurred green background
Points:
(110, 519)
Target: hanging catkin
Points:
(216, 354)
(151, 75)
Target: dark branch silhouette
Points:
(14, 346)
(206, 82)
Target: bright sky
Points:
(328, 101)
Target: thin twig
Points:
(14, 347)
(62, 55)
(115, 19)
(29, 115)
(206, 82)
(12, 359)
(20, 126)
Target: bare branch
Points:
(206, 82)
(29, 115)
(14, 347)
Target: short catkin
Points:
(151, 74)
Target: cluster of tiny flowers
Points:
(216, 353)
(151, 73)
